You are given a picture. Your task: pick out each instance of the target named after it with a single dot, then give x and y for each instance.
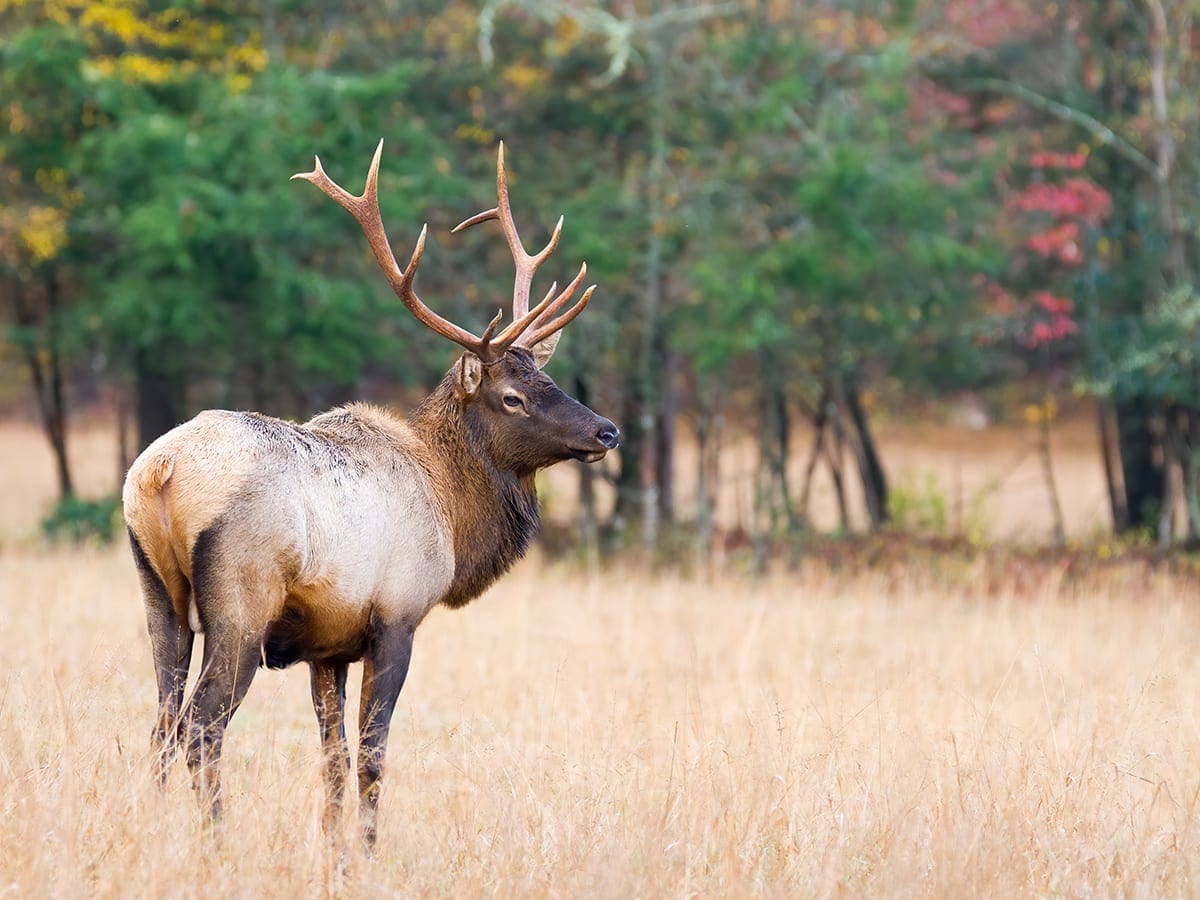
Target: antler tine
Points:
(526, 264)
(543, 312)
(510, 334)
(486, 216)
(561, 322)
(365, 210)
(560, 300)
(486, 338)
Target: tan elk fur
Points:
(351, 509)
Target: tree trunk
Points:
(1166, 513)
(664, 438)
(1141, 470)
(56, 408)
(1112, 470)
(820, 418)
(1121, 33)
(45, 371)
(627, 509)
(708, 438)
(1056, 513)
(834, 454)
(161, 396)
(874, 480)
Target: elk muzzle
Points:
(607, 437)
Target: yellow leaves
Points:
(469, 131)
(567, 29)
(44, 232)
(525, 76)
(18, 119)
(50, 179)
(453, 29)
(137, 67)
(567, 33)
(1040, 413)
(118, 20)
(250, 56)
(56, 11)
(131, 42)
(238, 83)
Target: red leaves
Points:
(989, 23)
(1059, 207)
(1049, 331)
(1056, 306)
(1060, 243)
(1076, 198)
(1058, 160)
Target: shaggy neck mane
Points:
(493, 512)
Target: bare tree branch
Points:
(1088, 123)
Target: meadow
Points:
(910, 729)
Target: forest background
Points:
(805, 218)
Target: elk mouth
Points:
(588, 456)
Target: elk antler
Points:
(365, 209)
(529, 326)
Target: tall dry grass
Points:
(621, 734)
(626, 735)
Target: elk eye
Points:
(513, 401)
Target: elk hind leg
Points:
(171, 646)
(329, 702)
(236, 600)
(230, 661)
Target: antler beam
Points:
(529, 326)
(365, 210)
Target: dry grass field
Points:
(919, 731)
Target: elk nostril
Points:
(609, 436)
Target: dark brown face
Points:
(530, 423)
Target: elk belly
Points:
(380, 548)
(307, 631)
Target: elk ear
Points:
(468, 373)
(543, 350)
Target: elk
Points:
(329, 542)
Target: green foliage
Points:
(1159, 355)
(758, 189)
(78, 521)
(919, 505)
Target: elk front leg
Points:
(329, 701)
(384, 670)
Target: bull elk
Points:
(329, 542)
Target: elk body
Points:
(328, 542)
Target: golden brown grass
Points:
(625, 735)
(621, 734)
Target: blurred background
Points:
(921, 268)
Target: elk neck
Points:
(493, 512)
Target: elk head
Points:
(525, 420)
